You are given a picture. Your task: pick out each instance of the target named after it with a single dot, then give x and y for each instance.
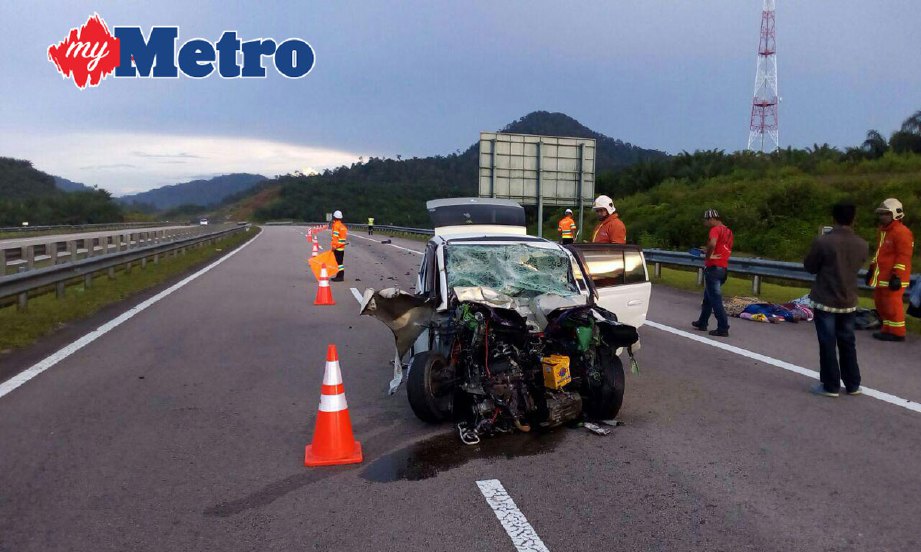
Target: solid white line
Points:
(390, 244)
(879, 395)
(513, 521)
(357, 295)
(36, 369)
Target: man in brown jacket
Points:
(835, 258)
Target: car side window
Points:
(634, 271)
(606, 267)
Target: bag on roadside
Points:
(867, 319)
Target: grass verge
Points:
(770, 292)
(46, 313)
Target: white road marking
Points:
(36, 369)
(390, 244)
(513, 521)
(880, 395)
(358, 296)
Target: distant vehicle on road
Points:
(203, 222)
(508, 331)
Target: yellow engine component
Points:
(556, 371)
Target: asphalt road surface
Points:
(184, 429)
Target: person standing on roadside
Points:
(890, 271)
(370, 226)
(567, 228)
(716, 269)
(611, 229)
(340, 237)
(835, 258)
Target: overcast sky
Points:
(425, 77)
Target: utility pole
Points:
(764, 133)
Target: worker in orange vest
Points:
(567, 228)
(340, 238)
(611, 229)
(890, 270)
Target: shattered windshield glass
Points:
(516, 270)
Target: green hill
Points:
(28, 194)
(394, 191)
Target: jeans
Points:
(836, 330)
(714, 276)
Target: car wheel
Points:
(604, 399)
(430, 387)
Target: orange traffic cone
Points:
(316, 250)
(333, 443)
(324, 293)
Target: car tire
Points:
(603, 402)
(429, 395)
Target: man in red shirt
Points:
(611, 229)
(716, 267)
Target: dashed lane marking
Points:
(513, 521)
(36, 369)
(879, 395)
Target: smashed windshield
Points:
(516, 270)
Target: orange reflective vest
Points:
(893, 255)
(611, 230)
(567, 228)
(340, 236)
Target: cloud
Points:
(182, 155)
(95, 158)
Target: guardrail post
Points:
(111, 272)
(28, 253)
(60, 288)
(127, 268)
(51, 250)
(657, 270)
(87, 281)
(2, 262)
(22, 302)
(700, 276)
(143, 262)
(72, 249)
(756, 284)
(156, 258)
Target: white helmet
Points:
(893, 206)
(604, 202)
(568, 211)
(337, 214)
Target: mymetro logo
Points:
(91, 53)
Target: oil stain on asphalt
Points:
(444, 452)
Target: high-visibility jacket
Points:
(611, 230)
(567, 228)
(340, 236)
(370, 221)
(893, 255)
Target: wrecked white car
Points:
(507, 331)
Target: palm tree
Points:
(913, 123)
(875, 145)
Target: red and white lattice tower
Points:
(765, 129)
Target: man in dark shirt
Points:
(835, 258)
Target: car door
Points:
(619, 275)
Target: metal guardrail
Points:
(757, 268)
(21, 284)
(51, 249)
(82, 227)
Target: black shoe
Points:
(699, 326)
(888, 337)
(719, 333)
